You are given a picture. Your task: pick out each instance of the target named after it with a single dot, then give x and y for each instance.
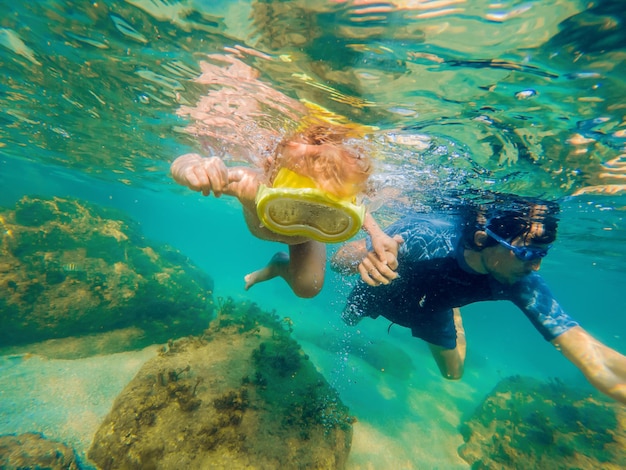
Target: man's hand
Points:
(604, 367)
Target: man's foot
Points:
(273, 268)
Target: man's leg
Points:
(452, 361)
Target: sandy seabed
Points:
(66, 400)
(407, 415)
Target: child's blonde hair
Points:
(337, 168)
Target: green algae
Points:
(69, 268)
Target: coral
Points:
(71, 268)
(525, 423)
(242, 395)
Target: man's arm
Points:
(347, 258)
(604, 367)
(353, 258)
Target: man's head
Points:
(512, 234)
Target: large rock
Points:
(243, 395)
(68, 268)
(33, 450)
(527, 424)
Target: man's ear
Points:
(480, 238)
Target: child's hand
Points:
(384, 245)
(379, 266)
(201, 174)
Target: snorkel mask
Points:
(294, 206)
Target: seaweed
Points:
(183, 391)
(279, 357)
(32, 292)
(34, 213)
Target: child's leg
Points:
(303, 269)
(277, 266)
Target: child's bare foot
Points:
(278, 262)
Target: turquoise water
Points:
(521, 97)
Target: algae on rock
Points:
(69, 268)
(527, 424)
(243, 395)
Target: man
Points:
(485, 252)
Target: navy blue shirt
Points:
(434, 278)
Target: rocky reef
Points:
(242, 395)
(70, 268)
(528, 424)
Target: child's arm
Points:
(208, 175)
(380, 265)
(381, 242)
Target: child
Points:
(304, 197)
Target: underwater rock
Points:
(69, 268)
(243, 395)
(528, 424)
(32, 450)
